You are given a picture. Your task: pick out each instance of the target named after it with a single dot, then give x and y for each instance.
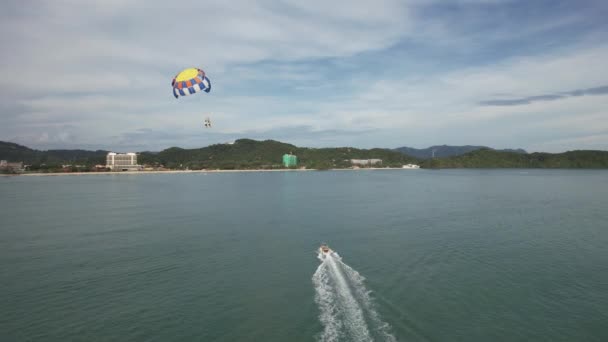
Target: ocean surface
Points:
(423, 255)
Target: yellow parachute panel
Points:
(186, 74)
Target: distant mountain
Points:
(446, 151)
(488, 158)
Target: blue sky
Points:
(506, 74)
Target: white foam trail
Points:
(381, 327)
(354, 320)
(326, 299)
(345, 306)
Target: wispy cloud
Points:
(383, 73)
(548, 97)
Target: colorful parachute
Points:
(190, 81)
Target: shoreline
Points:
(38, 174)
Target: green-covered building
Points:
(289, 160)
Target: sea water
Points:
(427, 255)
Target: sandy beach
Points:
(183, 172)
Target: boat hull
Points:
(324, 253)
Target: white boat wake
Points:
(347, 311)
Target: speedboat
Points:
(325, 251)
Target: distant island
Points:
(247, 154)
(440, 151)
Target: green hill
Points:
(248, 154)
(252, 154)
(242, 154)
(488, 158)
(442, 151)
(17, 153)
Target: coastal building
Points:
(122, 162)
(411, 166)
(365, 162)
(7, 166)
(290, 160)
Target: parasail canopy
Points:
(190, 81)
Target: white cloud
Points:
(85, 67)
(211, 33)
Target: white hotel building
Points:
(122, 162)
(364, 162)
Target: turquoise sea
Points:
(426, 255)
